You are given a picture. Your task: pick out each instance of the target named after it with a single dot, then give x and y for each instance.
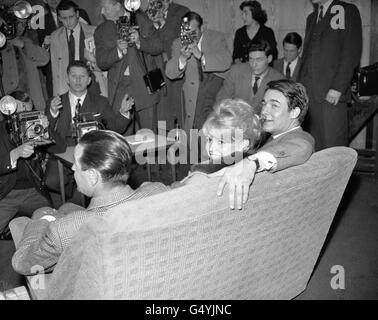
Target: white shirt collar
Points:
(73, 101)
(293, 64)
(281, 134)
(199, 45)
(76, 31)
(325, 6)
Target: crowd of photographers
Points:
(138, 67)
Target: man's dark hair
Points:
(67, 5)
(293, 38)
(21, 96)
(107, 152)
(258, 13)
(295, 94)
(191, 15)
(79, 64)
(261, 45)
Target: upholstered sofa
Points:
(188, 244)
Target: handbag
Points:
(365, 81)
(153, 79)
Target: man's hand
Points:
(185, 54)
(122, 45)
(89, 56)
(18, 42)
(333, 97)
(126, 105)
(55, 105)
(195, 51)
(23, 151)
(238, 177)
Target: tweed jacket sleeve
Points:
(172, 68)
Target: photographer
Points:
(20, 174)
(122, 58)
(63, 112)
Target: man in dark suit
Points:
(332, 50)
(290, 63)
(62, 111)
(168, 21)
(124, 59)
(20, 176)
(248, 80)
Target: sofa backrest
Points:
(188, 244)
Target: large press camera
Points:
(85, 122)
(187, 36)
(126, 25)
(25, 127)
(155, 8)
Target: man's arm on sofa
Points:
(37, 249)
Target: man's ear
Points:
(89, 81)
(294, 114)
(93, 176)
(270, 58)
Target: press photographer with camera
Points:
(21, 188)
(125, 45)
(76, 112)
(201, 57)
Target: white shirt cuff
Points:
(13, 163)
(125, 114)
(267, 160)
(181, 65)
(120, 55)
(54, 115)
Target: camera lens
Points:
(38, 129)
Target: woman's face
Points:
(221, 143)
(247, 16)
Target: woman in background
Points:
(254, 28)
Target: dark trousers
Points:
(52, 178)
(20, 203)
(327, 123)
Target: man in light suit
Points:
(248, 80)
(332, 50)
(70, 43)
(102, 163)
(290, 63)
(203, 64)
(284, 108)
(124, 61)
(168, 21)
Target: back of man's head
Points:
(109, 153)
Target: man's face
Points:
(220, 143)
(83, 178)
(259, 62)
(110, 10)
(78, 80)
(276, 116)
(291, 52)
(194, 26)
(52, 3)
(69, 18)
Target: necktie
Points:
(71, 46)
(320, 18)
(77, 109)
(288, 71)
(256, 85)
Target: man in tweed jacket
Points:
(100, 175)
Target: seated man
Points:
(63, 110)
(284, 108)
(102, 168)
(21, 189)
(248, 80)
(290, 63)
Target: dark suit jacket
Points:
(171, 28)
(61, 126)
(8, 176)
(279, 66)
(291, 149)
(330, 56)
(238, 85)
(108, 60)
